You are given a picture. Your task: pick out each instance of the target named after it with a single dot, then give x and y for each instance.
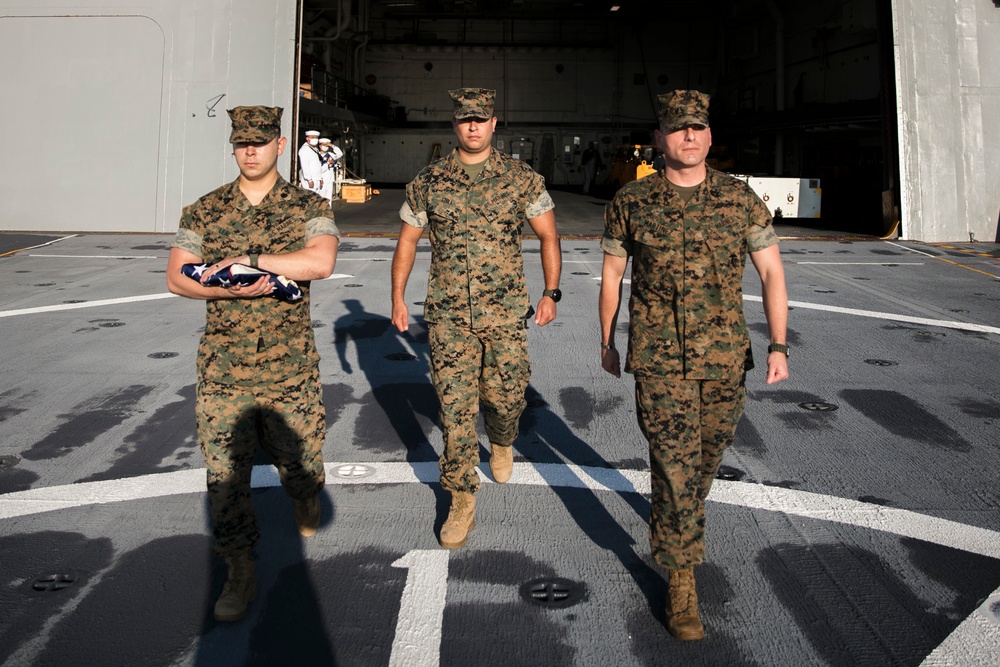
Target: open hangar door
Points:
(832, 60)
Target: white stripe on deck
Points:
(86, 304)
(974, 642)
(926, 321)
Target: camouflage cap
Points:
(472, 102)
(683, 107)
(255, 124)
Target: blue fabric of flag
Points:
(241, 274)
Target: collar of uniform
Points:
(281, 190)
(495, 163)
(711, 175)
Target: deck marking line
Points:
(421, 610)
(40, 245)
(87, 304)
(942, 259)
(964, 326)
(974, 641)
(919, 252)
(102, 256)
(893, 520)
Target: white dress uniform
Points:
(310, 167)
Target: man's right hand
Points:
(401, 317)
(262, 287)
(611, 362)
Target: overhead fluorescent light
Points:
(615, 8)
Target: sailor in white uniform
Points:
(310, 164)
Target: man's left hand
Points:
(546, 311)
(777, 367)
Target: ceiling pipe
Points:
(779, 83)
(343, 20)
(359, 49)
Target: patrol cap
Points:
(683, 107)
(255, 124)
(472, 102)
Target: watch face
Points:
(555, 294)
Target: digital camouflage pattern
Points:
(476, 228)
(287, 419)
(686, 304)
(682, 107)
(689, 424)
(477, 299)
(255, 341)
(468, 367)
(254, 124)
(472, 102)
(258, 368)
(688, 339)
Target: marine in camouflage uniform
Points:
(258, 368)
(688, 345)
(474, 202)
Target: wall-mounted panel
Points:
(82, 122)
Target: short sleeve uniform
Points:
(265, 340)
(686, 301)
(476, 225)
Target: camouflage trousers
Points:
(689, 424)
(468, 367)
(287, 420)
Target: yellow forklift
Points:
(631, 162)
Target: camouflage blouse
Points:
(686, 304)
(477, 272)
(263, 340)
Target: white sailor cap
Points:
(312, 133)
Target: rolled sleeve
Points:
(761, 237)
(188, 240)
(413, 219)
(615, 247)
(543, 204)
(616, 240)
(320, 226)
(761, 233)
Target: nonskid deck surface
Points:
(855, 522)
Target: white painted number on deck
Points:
(421, 609)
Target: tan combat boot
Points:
(501, 462)
(307, 515)
(682, 613)
(239, 591)
(461, 520)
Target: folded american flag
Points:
(241, 274)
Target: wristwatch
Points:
(253, 257)
(777, 347)
(554, 294)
